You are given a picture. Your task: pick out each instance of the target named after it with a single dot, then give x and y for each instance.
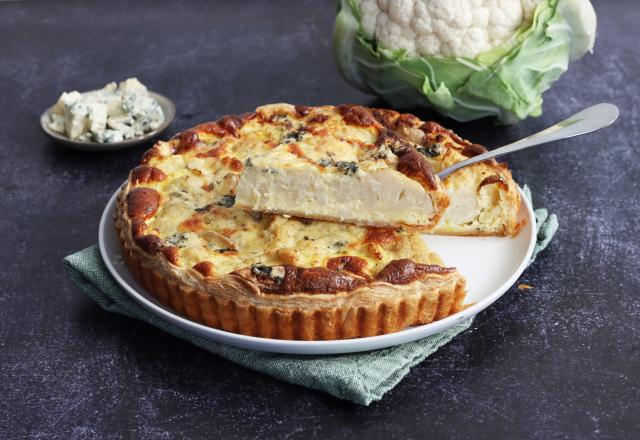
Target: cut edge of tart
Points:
(341, 164)
(356, 193)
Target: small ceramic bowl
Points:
(168, 108)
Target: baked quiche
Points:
(191, 244)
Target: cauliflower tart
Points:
(333, 163)
(189, 243)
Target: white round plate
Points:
(491, 266)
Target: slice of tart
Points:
(341, 164)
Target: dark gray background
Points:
(559, 361)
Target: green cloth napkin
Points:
(360, 377)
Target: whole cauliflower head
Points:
(467, 59)
(448, 28)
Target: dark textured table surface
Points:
(559, 361)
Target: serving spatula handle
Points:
(586, 121)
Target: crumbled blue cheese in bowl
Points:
(111, 114)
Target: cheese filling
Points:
(344, 193)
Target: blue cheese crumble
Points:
(111, 114)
